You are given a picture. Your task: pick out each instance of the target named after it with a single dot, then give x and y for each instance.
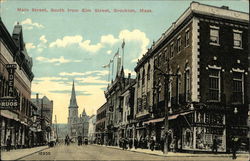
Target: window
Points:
(178, 85)
(138, 81)
(214, 84)
(237, 38)
(143, 77)
(179, 44)
(171, 50)
(187, 85)
(166, 54)
(148, 72)
(238, 86)
(214, 35)
(187, 38)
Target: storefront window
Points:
(187, 139)
(206, 135)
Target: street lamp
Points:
(166, 113)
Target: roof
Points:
(197, 8)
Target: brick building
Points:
(207, 48)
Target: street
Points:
(96, 152)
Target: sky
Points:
(70, 45)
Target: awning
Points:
(8, 114)
(172, 117)
(154, 120)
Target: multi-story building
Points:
(83, 124)
(144, 93)
(44, 116)
(92, 129)
(128, 125)
(205, 50)
(101, 124)
(15, 84)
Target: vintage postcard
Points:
(124, 80)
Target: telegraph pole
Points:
(166, 91)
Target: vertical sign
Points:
(11, 70)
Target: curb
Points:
(164, 155)
(32, 153)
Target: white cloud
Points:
(58, 61)
(109, 52)
(43, 43)
(136, 35)
(43, 39)
(30, 46)
(49, 78)
(66, 41)
(129, 36)
(91, 48)
(109, 39)
(97, 72)
(91, 79)
(28, 24)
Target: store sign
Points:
(11, 70)
(9, 103)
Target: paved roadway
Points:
(94, 152)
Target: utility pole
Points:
(166, 91)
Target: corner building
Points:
(16, 123)
(207, 48)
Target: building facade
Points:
(77, 126)
(92, 129)
(44, 117)
(101, 124)
(15, 122)
(205, 51)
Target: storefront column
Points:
(134, 134)
(3, 132)
(224, 136)
(194, 139)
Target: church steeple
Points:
(73, 103)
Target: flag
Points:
(106, 66)
(117, 53)
(123, 43)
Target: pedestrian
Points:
(8, 143)
(173, 145)
(152, 144)
(135, 143)
(215, 145)
(235, 142)
(130, 143)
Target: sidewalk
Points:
(20, 153)
(178, 154)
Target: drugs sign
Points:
(9, 103)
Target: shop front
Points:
(207, 129)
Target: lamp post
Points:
(166, 97)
